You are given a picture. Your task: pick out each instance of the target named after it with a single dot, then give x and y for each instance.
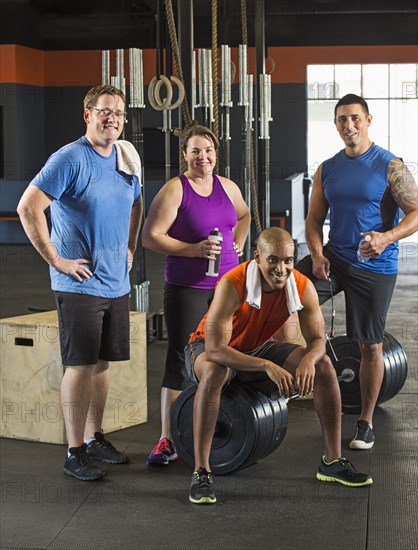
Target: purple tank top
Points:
(196, 217)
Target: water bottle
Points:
(212, 269)
(360, 257)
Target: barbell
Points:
(345, 354)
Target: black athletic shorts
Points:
(92, 328)
(274, 351)
(367, 296)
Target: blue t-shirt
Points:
(90, 216)
(359, 197)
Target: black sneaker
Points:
(102, 449)
(79, 465)
(201, 488)
(342, 471)
(364, 438)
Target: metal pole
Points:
(105, 67)
(193, 99)
(226, 104)
(245, 89)
(260, 69)
(167, 134)
(243, 102)
(136, 89)
(120, 70)
(209, 84)
(242, 75)
(203, 103)
(248, 134)
(265, 118)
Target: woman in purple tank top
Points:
(178, 223)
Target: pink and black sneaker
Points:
(163, 453)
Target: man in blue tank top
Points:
(93, 190)
(363, 186)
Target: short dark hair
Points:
(198, 130)
(351, 99)
(92, 96)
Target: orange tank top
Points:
(252, 327)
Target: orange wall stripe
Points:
(22, 65)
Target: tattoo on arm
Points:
(402, 184)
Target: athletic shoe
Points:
(364, 438)
(342, 471)
(79, 465)
(163, 453)
(201, 488)
(101, 449)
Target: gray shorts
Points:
(274, 351)
(92, 328)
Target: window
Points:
(391, 93)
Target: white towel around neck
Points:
(253, 288)
(128, 159)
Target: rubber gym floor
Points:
(276, 503)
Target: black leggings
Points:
(184, 308)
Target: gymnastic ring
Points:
(153, 93)
(151, 99)
(233, 69)
(272, 63)
(180, 98)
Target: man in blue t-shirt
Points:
(94, 194)
(363, 186)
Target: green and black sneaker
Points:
(342, 471)
(201, 488)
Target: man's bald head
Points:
(275, 257)
(273, 235)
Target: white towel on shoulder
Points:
(253, 289)
(128, 159)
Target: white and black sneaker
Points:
(364, 438)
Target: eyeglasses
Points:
(109, 112)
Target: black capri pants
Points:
(184, 308)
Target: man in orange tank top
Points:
(241, 337)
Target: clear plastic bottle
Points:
(212, 269)
(360, 257)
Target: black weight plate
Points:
(280, 417)
(238, 409)
(182, 424)
(265, 422)
(348, 355)
(236, 431)
(396, 363)
(390, 370)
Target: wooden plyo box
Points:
(31, 373)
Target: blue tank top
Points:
(359, 197)
(196, 217)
